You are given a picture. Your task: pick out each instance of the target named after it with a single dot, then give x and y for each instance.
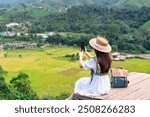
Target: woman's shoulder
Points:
(91, 62)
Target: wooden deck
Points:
(138, 89)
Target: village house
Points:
(11, 25)
(130, 56)
(8, 34)
(51, 33)
(118, 57)
(20, 45)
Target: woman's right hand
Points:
(85, 52)
(81, 54)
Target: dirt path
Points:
(147, 56)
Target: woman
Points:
(99, 82)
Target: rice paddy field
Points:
(51, 73)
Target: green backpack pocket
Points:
(119, 78)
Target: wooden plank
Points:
(81, 97)
(144, 90)
(115, 91)
(132, 88)
(141, 91)
(133, 75)
(138, 86)
(133, 91)
(145, 96)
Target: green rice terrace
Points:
(51, 73)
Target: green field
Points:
(4, 17)
(40, 12)
(52, 73)
(146, 26)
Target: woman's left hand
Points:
(80, 59)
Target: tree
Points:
(2, 27)
(114, 47)
(5, 91)
(2, 72)
(21, 87)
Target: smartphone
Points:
(82, 46)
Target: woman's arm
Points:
(80, 59)
(88, 54)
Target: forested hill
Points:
(123, 27)
(68, 3)
(127, 29)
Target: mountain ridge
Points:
(69, 3)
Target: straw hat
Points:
(100, 44)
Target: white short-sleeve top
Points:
(100, 83)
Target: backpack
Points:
(119, 78)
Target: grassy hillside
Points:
(135, 3)
(139, 3)
(62, 3)
(40, 12)
(4, 17)
(59, 5)
(53, 74)
(34, 12)
(122, 3)
(146, 26)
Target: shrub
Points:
(62, 96)
(5, 91)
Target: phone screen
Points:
(82, 46)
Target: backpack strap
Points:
(98, 70)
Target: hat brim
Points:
(106, 49)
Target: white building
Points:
(11, 25)
(51, 33)
(8, 34)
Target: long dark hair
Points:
(103, 60)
